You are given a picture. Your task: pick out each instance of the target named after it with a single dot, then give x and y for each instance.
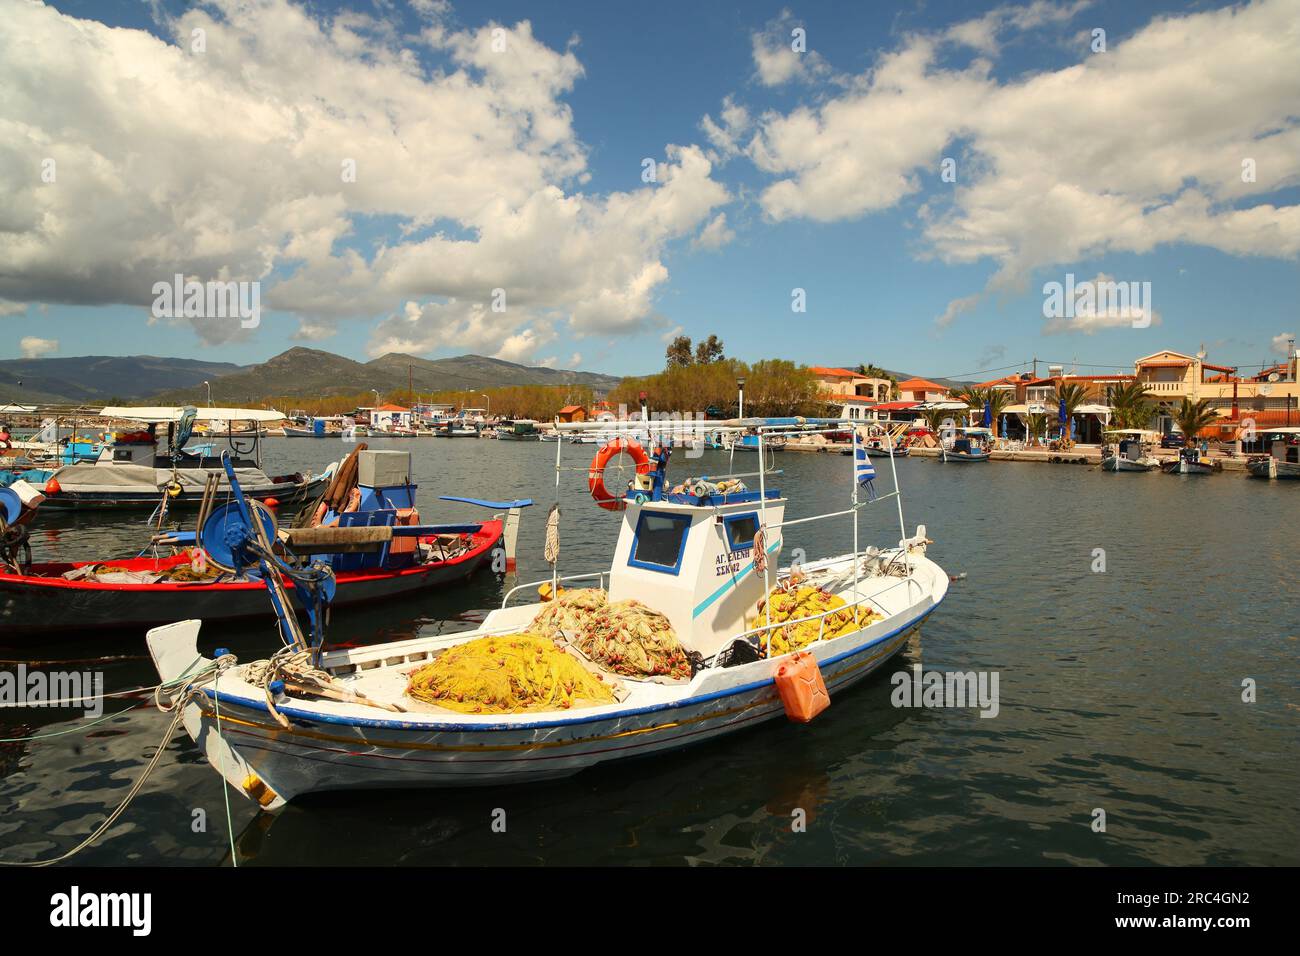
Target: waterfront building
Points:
(390, 417)
(921, 390)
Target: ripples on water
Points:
(1119, 690)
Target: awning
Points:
(896, 406)
(167, 413)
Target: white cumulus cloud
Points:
(264, 155)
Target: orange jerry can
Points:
(803, 692)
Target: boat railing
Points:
(588, 576)
(821, 617)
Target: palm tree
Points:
(1073, 395)
(974, 399)
(1191, 417)
(1129, 402)
(1035, 425)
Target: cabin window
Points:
(659, 542)
(741, 530)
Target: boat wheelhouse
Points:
(696, 565)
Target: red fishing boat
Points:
(366, 531)
(140, 592)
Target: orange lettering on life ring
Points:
(596, 477)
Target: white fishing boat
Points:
(1283, 457)
(701, 557)
(968, 444)
(1133, 452)
(750, 443)
(1190, 462)
(518, 429)
(320, 426)
(136, 469)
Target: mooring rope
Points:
(185, 684)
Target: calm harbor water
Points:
(1119, 690)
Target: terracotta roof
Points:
(915, 383)
(567, 409)
(1004, 380)
(392, 408)
(832, 372)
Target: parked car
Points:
(1172, 440)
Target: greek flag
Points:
(864, 471)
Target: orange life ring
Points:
(596, 477)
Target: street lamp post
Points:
(740, 390)
(208, 386)
(489, 403)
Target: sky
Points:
(571, 184)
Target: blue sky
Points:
(1101, 164)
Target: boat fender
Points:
(199, 561)
(220, 652)
(596, 475)
(52, 487)
(174, 489)
(801, 688)
(257, 789)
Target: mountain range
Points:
(299, 371)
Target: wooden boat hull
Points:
(1272, 468)
(965, 456)
(31, 605)
(324, 749)
(1179, 467)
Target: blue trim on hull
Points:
(311, 717)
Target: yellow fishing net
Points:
(506, 675)
(625, 637)
(793, 603)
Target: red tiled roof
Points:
(570, 409)
(823, 372)
(1004, 380)
(915, 383)
(392, 408)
